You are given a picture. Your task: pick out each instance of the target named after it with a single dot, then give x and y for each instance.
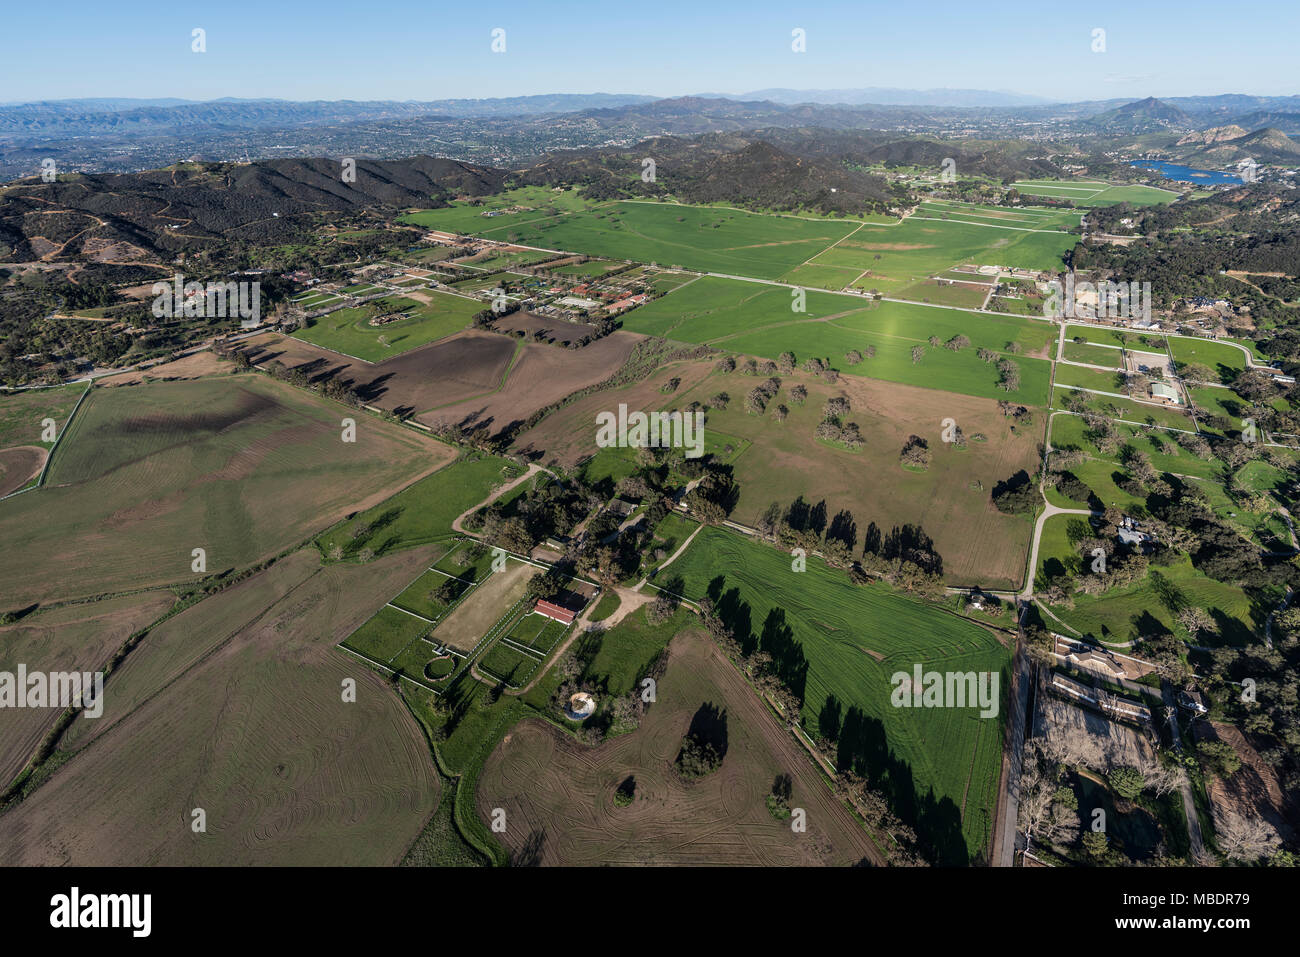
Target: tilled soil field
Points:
(559, 795)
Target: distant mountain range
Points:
(1143, 116)
(270, 200)
(890, 96)
(1215, 146)
(113, 134)
(89, 117)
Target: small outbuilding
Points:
(555, 612)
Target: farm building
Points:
(1098, 662)
(1166, 392)
(622, 507)
(556, 612)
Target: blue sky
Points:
(428, 50)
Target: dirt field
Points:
(471, 619)
(558, 795)
(240, 466)
(559, 329)
(569, 435)
(1253, 791)
(1145, 363)
(253, 729)
(69, 638)
(466, 364)
(188, 367)
(543, 374)
(18, 466)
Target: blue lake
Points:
(1186, 174)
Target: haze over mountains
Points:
(118, 134)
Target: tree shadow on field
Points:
(1233, 631)
(584, 651)
(830, 719)
(798, 514)
(627, 789)
(843, 529)
(316, 369)
(17, 614)
(788, 661)
(530, 854)
(709, 727)
(874, 540)
(1012, 484)
(735, 614)
(911, 543)
(817, 518)
(1169, 594)
(675, 587)
(864, 749)
(372, 390)
(386, 518)
(1148, 625)
(459, 697)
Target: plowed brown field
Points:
(252, 728)
(558, 794)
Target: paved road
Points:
(1189, 805)
(1004, 850)
(1027, 592)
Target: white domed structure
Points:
(581, 706)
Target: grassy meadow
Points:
(843, 643)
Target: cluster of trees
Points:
(330, 387)
(774, 663)
(786, 364)
(757, 398)
(903, 848)
(1215, 547)
(904, 557)
(714, 496)
(705, 743)
(832, 428)
(1049, 813)
(807, 526)
(1256, 234)
(1098, 564)
(1008, 376)
(1013, 411)
(1017, 495)
(486, 319)
(552, 508)
(573, 669)
(1270, 715)
(916, 453)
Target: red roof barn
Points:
(557, 612)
